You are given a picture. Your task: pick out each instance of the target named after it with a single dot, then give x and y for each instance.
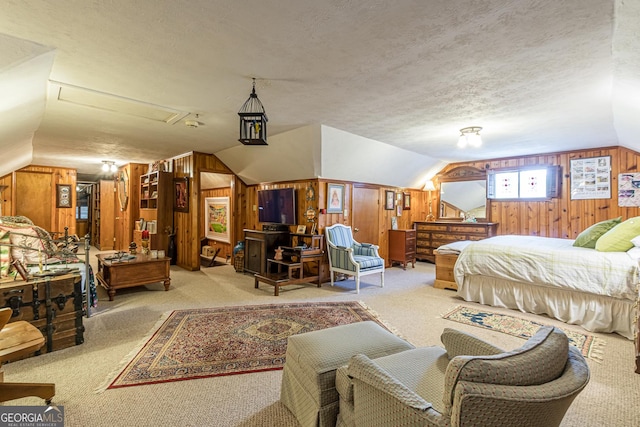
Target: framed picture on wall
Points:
(63, 196)
(591, 178)
(406, 201)
(216, 217)
(389, 198)
(335, 195)
(181, 194)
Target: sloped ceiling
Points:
(537, 76)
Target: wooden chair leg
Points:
(10, 391)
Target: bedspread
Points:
(550, 262)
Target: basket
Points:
(238, 262)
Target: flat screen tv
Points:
(277, 206)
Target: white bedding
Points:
(543, 275)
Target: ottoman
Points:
(308, 379)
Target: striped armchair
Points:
(467, 383)
(349, 257)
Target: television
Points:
(277, 206)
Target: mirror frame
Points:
(458, 174)
(123, 184)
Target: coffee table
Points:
(126, 273)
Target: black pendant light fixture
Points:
(253, 120)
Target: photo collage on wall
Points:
(591, 178)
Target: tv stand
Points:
(260, 246)
(275, 227)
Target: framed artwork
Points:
(301, 229)
(629, 189)
(335, 195)
(399, 209)
(406, 201)
(389, 199)
(591, 178)
(63, 196)
(216, 217)
(181, 194)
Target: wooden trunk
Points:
(52, 304)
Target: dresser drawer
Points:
(469, 229)
(432, 235)
(431, 227)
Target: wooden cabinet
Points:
(156, 204)
(402, 247)
(431, 235)
(103, 205)
(260, 246)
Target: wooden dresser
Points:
(402, 247)
(431, 235)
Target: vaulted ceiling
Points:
(86, 81)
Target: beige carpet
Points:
(408, 302)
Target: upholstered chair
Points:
(351, 258)
(469, 382)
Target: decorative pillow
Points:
(618, 239)
(588, 238)
(32, 243)
(5, 257)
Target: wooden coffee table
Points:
(141, 270)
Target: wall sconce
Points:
(428, 186)
(109, 166)
(470, 136)
(253, 120)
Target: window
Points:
(539, 182)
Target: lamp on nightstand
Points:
(428, 186)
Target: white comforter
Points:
(550, 262)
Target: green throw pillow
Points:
(618, 239)
(588, 238)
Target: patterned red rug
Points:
(211, 342)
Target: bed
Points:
(543, 275)
(30, 251)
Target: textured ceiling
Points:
(539, 76)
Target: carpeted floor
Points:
(408, 301)
(210, 342)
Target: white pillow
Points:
(636, 241)
(634, 253)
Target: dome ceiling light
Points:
(470, 136)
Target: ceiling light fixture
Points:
(253, 120)
(109, 166)
(470, 136)
(193, 123)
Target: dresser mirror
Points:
(463, 194)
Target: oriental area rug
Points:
(201, 343)
(588, 345)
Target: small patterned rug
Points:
(200, 343)
(589, 345)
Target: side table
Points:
(293, 260)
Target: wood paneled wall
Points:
(188, 225)
(417, 212)
(60, 217)
(561, 217)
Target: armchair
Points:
(352, 258)
(467, 383)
